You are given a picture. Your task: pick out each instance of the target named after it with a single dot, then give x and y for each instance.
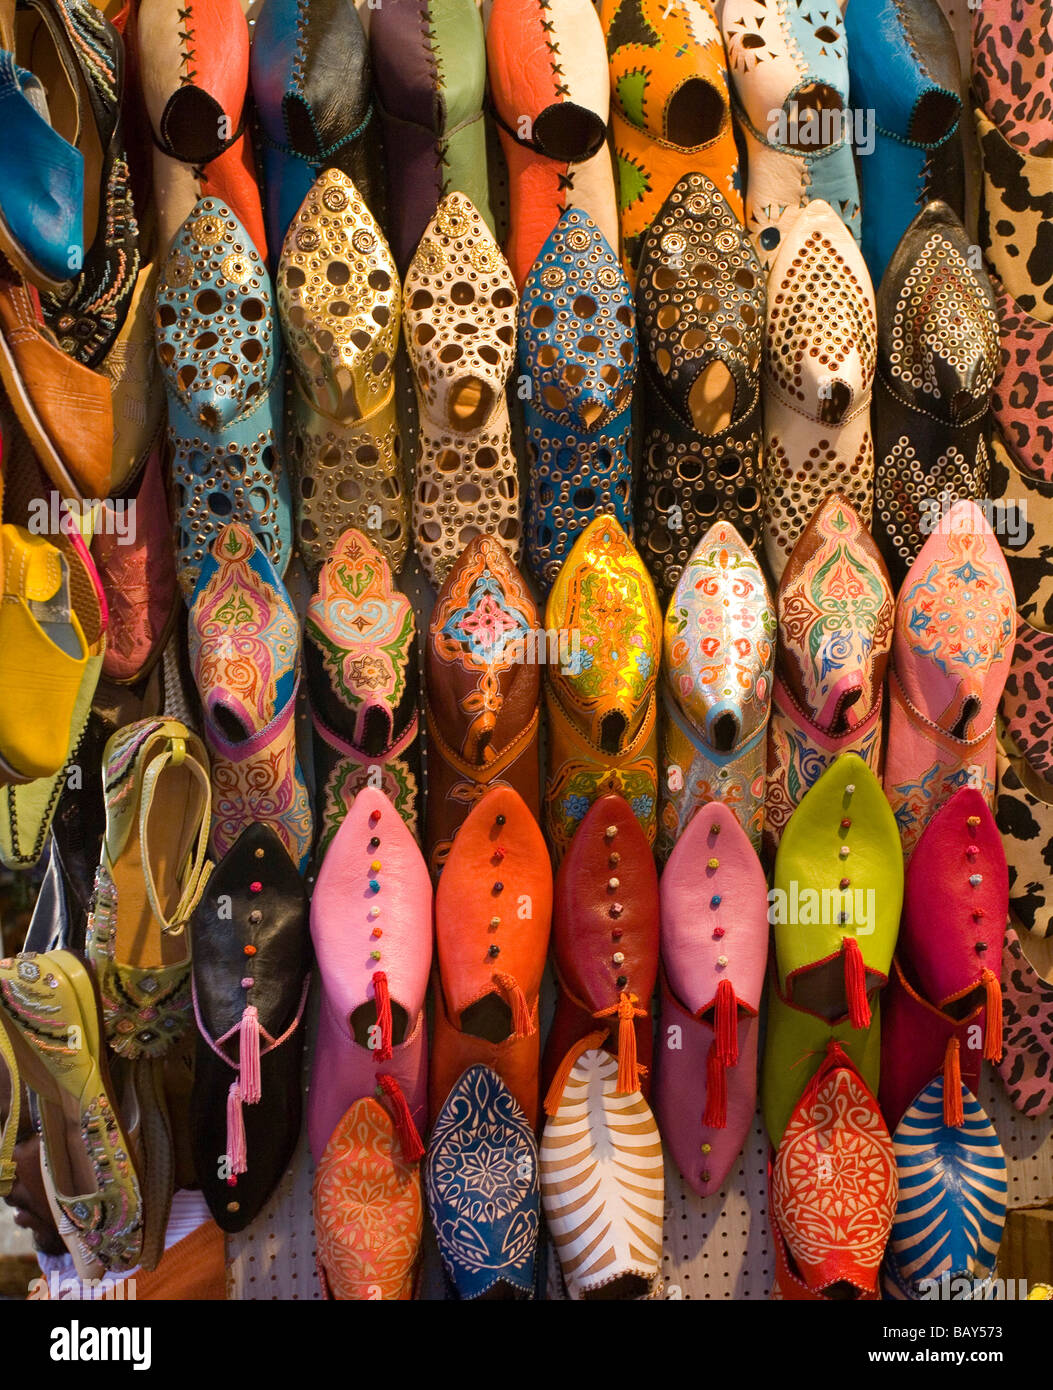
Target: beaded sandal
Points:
(50, 1013)
(221, 359)
(340, 306)
(577, 349)
(460, 326)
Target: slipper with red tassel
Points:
(714, 952)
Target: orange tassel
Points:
(856, 984)
(562, 1076)
(409, 1138)
(725, 1023)
(522, 1023)
(716, 1112)
(383, 1003)
(953, 1113)
(993, 1029)
(628, 1068)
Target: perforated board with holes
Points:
(714, 1248)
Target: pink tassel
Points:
(236, 1150)
(249, 1056)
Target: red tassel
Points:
(522, 1023)
(409, 1138)
(993, 1029)
(716, 1112)
(236, 1148)
(725, 1023)
(953, 1111)
(856, 984)
(383, 1003)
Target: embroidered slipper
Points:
(1024, 811)
(429, 70)
(789, 74)
(937, 362)
(796, 1041)
(220, 353)
(1026, 713)
(602, 1181)
(835, 609)
(601, 702)
(605, 936)
(919, 1041)
(1027, 1000)
(340, 306)
(482, 696)
(904, 73)
(466, 473)
(1016, 202)
(244, 647)
(951, 651)
(670, 109)
(481, 1174)
(838, 893)
(493, 912)
(312, 93)
(714, 954)
(834, 1183)
(820, 350)
(701, 385)
(719, 647)
(955, 906)
(368, 1209)
(360, 653)
(250, 982)
(952, 1198)
(1022, 387)
(550, 95)
(152, 873)
(85, 54)
(371, 927)
(577, 350)
(194, 74)
(50, 1014)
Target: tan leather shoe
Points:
(64, 408)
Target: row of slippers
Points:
(615, 932)
(733, 663)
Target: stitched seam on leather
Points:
(473, 771)
(187, 55)
(911, 709)
(633, 749)
(553, 53)
(772, 389)
(957, 427)
(435, 74)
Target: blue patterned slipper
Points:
(220, 351)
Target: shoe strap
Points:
(14, 1115)
(175, 755)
